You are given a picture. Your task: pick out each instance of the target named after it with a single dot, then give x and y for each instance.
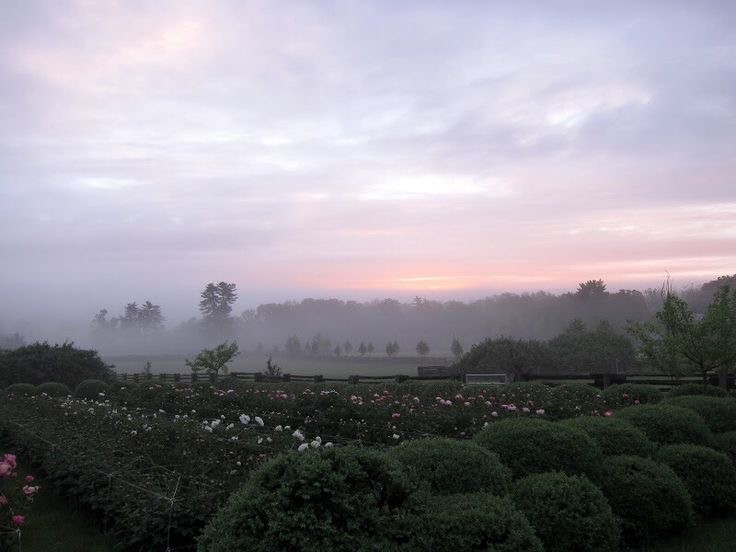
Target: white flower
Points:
(244, 419)
(259, 420)
(134, 432)
(208, 428)
(328, 444)
(278, 428)
(215, 423)
(303, 447)
(298, 435)
(260, 440)
(229, 426)
(234, 438)
(395, 436)
(314, 444)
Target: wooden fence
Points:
(602, 381)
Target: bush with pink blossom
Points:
(16, 495)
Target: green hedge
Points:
(21, 389)
(91, 389)
(726, 442)
(449, 466)
(666, 424)
(336, 499)
(567, 513)
(648, 497)
(528, 445)
(708, 475)
(478, 521)
(614, 436)
(628, 394)
(54, 389)
(573, 399)
(697, 389)
(719, 413)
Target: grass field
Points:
(303, 365)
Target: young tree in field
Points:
(370, 348)
(456, 348)
(392, 349)
(214, 360)
(337, 351)
(677, 342)
(293, 346)
(150, 319)
(130, 321)
(272, 370)
(216, 305)
(348, 347)
(422, 348)
(362, 349)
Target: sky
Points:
(360, 149)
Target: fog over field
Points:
(360, 151)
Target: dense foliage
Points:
(697, 389)
(628, 394)
(718, 412)
(665, 424)
(54, 389)
(648, 497)
(41, 362)
(449, 466)
(614, 436)
(708, 475)
(567, 513)
(91, 389)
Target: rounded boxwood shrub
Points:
(666, 424)
(697, 389)
(567, 513)
(647, 496)
(573, 399)
(334, 499)
(520, 393)
(449, 466)
(614, 436)
(726, 442)
(91, 389)
(26, 389)
(626, 394)
(54, 389)
(477, 521)
(708, 475)
(719, 413)
(529, 445)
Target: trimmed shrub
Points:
(529, 445)
(614, 436)
(335, 499)
(718, 413)
(726, 442)
(21, 389)
(477, 521)
(697, 389)
(648, 497)
(91, 389)
(708, 475)
(54, 389)
(449, 466)
(627, 394)
(41, 362)
(567, 513)
(574, 399)
(666, 424)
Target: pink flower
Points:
(10, 459)
(3, 500)
(5, 469)
(396, 415)
(608, 413)
(636, 401)
(29, 491)
(494, 414)
(540, 412)
(19, 520)
(29, 479)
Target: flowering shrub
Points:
(629, 394)
(478, 521)
(54, 389)
(567, 513)
(708, 475)
(697, 389)
(336, 499)
(534, 446)
(449, 466)
(16, 495)
(648, 497)
(574, 399)
(718, 413)
(666, 424)
(91, 389)
(613, 435)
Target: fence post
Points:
(177, 377)
(193, 378)
(135, 378)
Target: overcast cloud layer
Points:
(361, 148)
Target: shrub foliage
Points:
(614, 436)
(666, 424)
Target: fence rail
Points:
(601, 381)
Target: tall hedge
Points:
(41, 362)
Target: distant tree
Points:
(422, 348)
(370, 348)
(147, 368)
(293, 346)
(591, 289)
(678, 342)
(504, 355)
(456, 348)
(12, 341)
(214, 360)
(362, 349)
(337, 351)
(580, 350)
(150, 319)
(216, 305)
(130, 321)
(392, 349)
(272, 369)
(102, 328)
(348, 347)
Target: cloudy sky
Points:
(361, 149)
